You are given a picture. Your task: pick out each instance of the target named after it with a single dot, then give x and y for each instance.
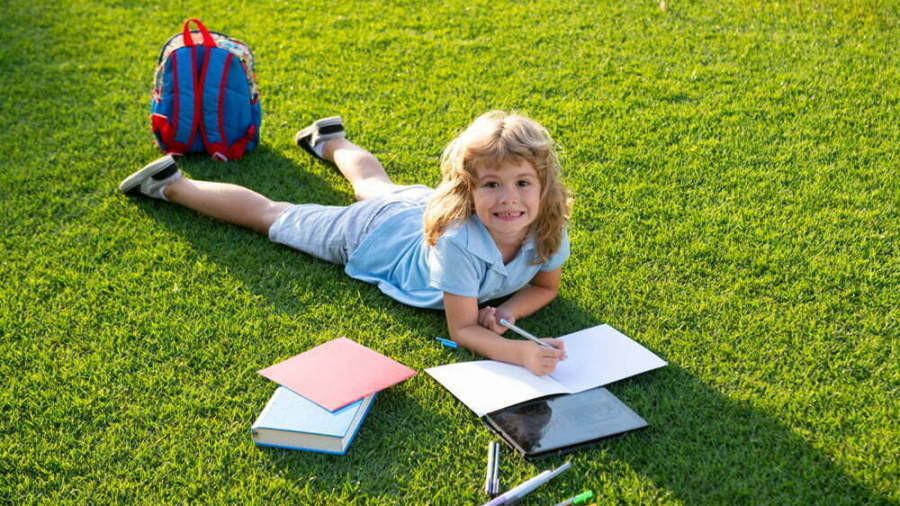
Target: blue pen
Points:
(448, 343)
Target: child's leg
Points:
(361, 168)
(226, 202)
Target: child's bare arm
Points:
(462, 321)
(536, 294)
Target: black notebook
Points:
(562, 423)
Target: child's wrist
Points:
(521, 351)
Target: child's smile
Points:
(509, 216)
(507, 201)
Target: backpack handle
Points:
(208, 41)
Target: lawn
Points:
(737, 179)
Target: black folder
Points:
(562, 423)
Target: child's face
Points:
(507, 199)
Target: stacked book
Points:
(324, 394)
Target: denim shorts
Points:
(332, 233)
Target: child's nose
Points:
(508, 195)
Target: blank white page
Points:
(599, 356)
(486, 385)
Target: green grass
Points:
(736, 172)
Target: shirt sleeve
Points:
(559, 258)
(453, 269)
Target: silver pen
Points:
(523, 333)
(491, 463)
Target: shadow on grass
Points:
(701, 447)
(289, 280)
(706, 448)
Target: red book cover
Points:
(337, 373)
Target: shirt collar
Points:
(482, 245)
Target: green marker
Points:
(578, 499)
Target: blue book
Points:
(292, 421)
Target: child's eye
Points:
(491, 184)
(524, 183)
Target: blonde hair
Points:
(495, 138)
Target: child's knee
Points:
(268, 217)
(372, 187)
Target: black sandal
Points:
(321, 130)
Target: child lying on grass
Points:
(493, 227)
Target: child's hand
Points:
(541, 360)
(489, 318)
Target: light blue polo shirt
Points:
(465, 262)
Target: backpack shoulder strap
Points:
(187, 85)
(220, 63)
(212, 125)
(175, 131)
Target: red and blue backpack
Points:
(205, 96)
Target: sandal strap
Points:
(331, 129)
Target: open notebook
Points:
(597, 356)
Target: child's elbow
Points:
(550, 291)
(455, 331)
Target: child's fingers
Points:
(485, 317)
(502, 313)
(494, 322)
(556, 343)
(543, 360)
(556, 354)
(548, 364)
(548, 356)
(559, 345)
